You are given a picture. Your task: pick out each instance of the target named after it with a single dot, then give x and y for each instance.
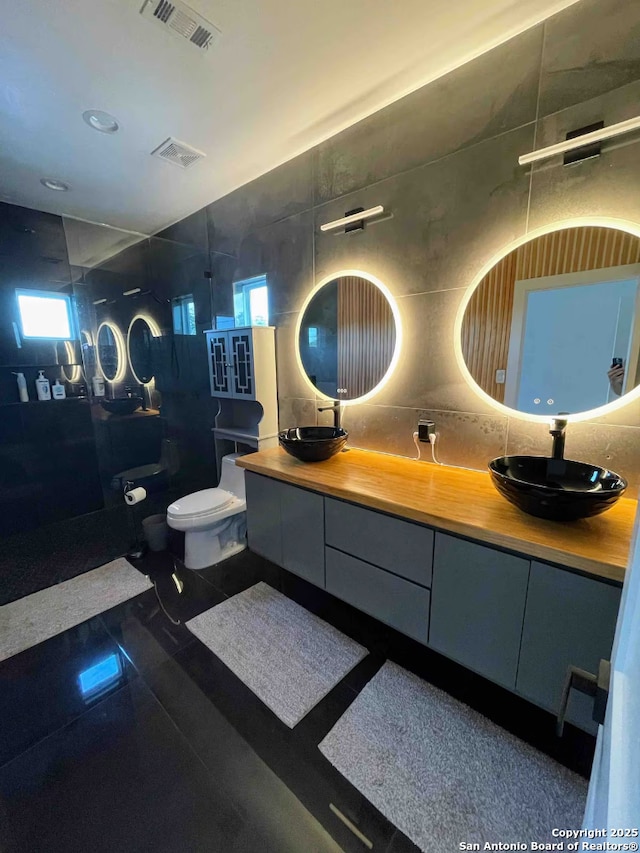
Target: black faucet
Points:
(558, 430)
(336, 408)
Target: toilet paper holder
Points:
(139, 547)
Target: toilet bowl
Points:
(214, 521)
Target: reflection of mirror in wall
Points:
(108, 351)
(88, 354)
(68, 357)
(543, 328)
(347, 337)
(139, 343)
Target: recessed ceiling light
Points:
(99, 120)
(53, 184)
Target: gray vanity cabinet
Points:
(389, 598)
(477, 607)
(264, 516)
(569, 620)
(285, 524)
(303, 533)
(401, 547)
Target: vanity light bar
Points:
(580, 141)
(355, 217)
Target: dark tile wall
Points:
(443, 162)
(48, 460)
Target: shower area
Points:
(137, 405)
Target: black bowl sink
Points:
(121, 405)
(313, 443)
(558, 489)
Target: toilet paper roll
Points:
(135, 496)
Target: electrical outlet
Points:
(425, 427)
(501, 377)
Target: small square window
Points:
(251, 302)
(184, 315)
(45, 315)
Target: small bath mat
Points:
(30, 620)
(287, 656)
(444, 774)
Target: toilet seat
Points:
(200, 504)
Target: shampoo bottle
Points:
(43, 388)
(98, 386)
(59, 392)
(22, 388)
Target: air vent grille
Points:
(179, 153)
(180, 20)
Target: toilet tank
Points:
(232, 476)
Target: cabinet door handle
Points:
(596, 686)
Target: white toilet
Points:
(214, 520)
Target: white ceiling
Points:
(285, 75)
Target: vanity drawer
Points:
(399, 603)
(401, 547)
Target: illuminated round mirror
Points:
(554, 325)
(348, 336)
(110, 352)
(141, 332)
(68, 358)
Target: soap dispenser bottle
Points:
(43, 388)
(23, 393)
(58, 390)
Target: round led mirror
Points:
(348, 336)
(554, 325)
(110, 352)
(141, 332)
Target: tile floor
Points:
(178, 755)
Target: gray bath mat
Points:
(30, 620)
(287, 656)
(444, 774)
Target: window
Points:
(184, 315)
(45, 315)
(251, 302)
(223, 321)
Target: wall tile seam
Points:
(411, 169)
(256, 229)
(318, 206)
(608, 93)
(223, 254)
(536, 127)
(497, 416)
(600, 423)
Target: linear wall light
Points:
(579, 141)
(355, 217)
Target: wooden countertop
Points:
(459, 501)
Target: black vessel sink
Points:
(314, 443)
(558, 489)
(121, 405)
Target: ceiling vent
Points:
(180, 20)
(174, 151)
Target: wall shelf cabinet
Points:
(242, 377)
